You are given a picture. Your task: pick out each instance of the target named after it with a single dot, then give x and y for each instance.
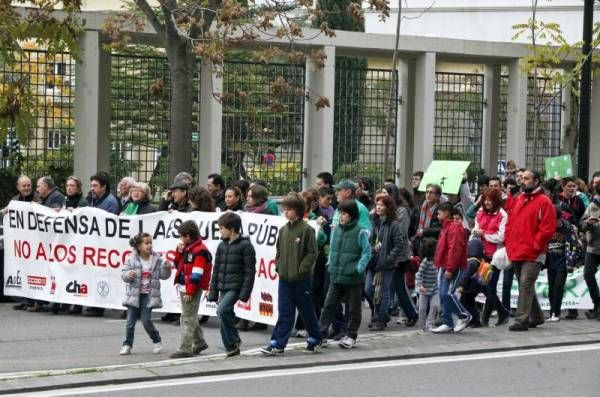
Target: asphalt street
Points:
(571, 370)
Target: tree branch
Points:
(152, 17)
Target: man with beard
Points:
(531, 224)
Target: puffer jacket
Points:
(451, 250)
(161, 270)
(592, 230)
(233, 269)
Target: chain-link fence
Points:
(263, 124)
(49, 147)
(360, 116)
(140, 120)
(459, 118)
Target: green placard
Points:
(558, 166)
(447, 174)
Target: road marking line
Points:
(313, 370)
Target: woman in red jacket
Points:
(490, 225)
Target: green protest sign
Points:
(447, 174)
(558, 166)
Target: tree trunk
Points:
(181, 66)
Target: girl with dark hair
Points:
(142, 273)
(201, 200)
(490, 225)
(386, 240)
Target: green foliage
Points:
(354, 170)
(283, 177)
(8, 179)
(55, 163)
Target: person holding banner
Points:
(194, 266)
(233, 278)
(142, 273)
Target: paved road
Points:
(549, 372)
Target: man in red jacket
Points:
(194, 265)
(531, 224)
(451, 259)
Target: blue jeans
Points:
(450, 304)
(404, 299)
(295, 295)
(229, 333)
(381, 308)
(145, 314)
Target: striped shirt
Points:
(427, 276)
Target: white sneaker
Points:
(442, 329)
(157, 348)
(125, 350)
(462, 323)
(302, 333)
(553, 318)
(347, 342)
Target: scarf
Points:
(258, 209)
(425, 216)
(131, 208)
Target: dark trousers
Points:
(319, 289)
(492, 302)
(467, 299)
(404, 299)
(507, 282)
(352, 294)
(589, 274)
(556, 288)
(528, 307)
(295, 295)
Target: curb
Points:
(73, 384)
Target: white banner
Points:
(76, 256)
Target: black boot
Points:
(485, 315)
(593, 313)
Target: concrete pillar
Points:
(595, 127)
(424, 111)
(319, 124)
(92, 110)
(210, 135)
(403, 167)
(491, 119)
(516, 114)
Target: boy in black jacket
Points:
(233, 277)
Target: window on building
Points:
(58, 138)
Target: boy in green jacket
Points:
(349, 254)
(295, 259)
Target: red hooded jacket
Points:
(531, 224)
(451, 250)
(195, 265)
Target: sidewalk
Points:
(371, 347)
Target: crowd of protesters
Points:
(422, 255)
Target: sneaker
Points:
(199, 349)
(324, 343)
(180, 354)
(157, 348)
(302, 333)
(125, 350)
(234, 350)
(271, 350)
(347, 342)
(312, 348)
(462, 323)
(442, 329)
(553, 318)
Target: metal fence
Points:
(263, 124)
(140, 120)
(548, 142)
(549, 107)
(49, 148)
(459, 118)
(360, 115)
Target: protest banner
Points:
(447, 174)
(559, 166)
(75, 257)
